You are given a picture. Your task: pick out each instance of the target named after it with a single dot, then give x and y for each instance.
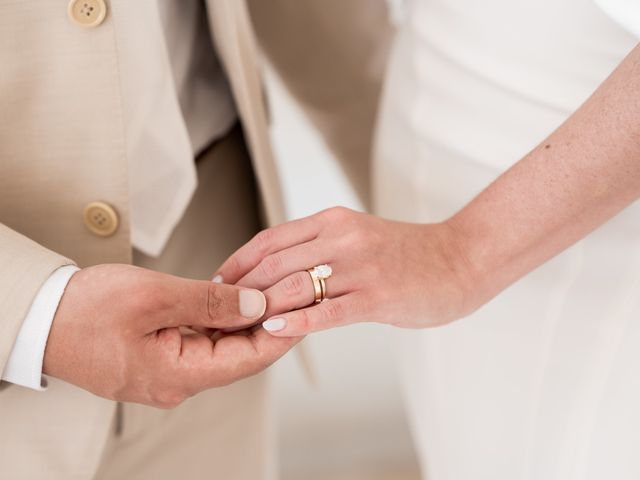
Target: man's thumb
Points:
(229, 306)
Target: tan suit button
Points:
(101, 219)
(87, 13)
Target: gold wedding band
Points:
(319, 274)
(317, 288)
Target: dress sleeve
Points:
(624, 12)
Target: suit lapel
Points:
(234, 37)
(235, 41)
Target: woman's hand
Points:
(411, 275)
(402, 274)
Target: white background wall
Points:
(350, 425)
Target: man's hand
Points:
(119, 333)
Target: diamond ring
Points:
(318, 275)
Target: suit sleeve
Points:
(24, 268)
(331, 55)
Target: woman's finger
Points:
(265, 243)
(297, 291)
(328, 314)
(279, 265)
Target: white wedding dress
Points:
(543, 382)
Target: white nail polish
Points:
(217, 279)
(274, 324)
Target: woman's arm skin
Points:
(414, 275)
(583, 174)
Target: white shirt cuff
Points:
(24, 366)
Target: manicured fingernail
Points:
(274, 324)
(252, 303)
(217, 279)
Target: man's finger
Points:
(206, 304)
(232, 358)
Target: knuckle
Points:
(294, 285)
(344, 243)
(358, 237)
(270, 266)
(262, 241)
(337, 213)
(233, 265)
(359, 306)
(333, 311)
(167, 398)
(304, 320)
(216, 302)
(120, 387)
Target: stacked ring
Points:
(319, 275)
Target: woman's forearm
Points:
(583, 174)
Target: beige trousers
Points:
(224, 433)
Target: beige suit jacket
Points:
(62, 147)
